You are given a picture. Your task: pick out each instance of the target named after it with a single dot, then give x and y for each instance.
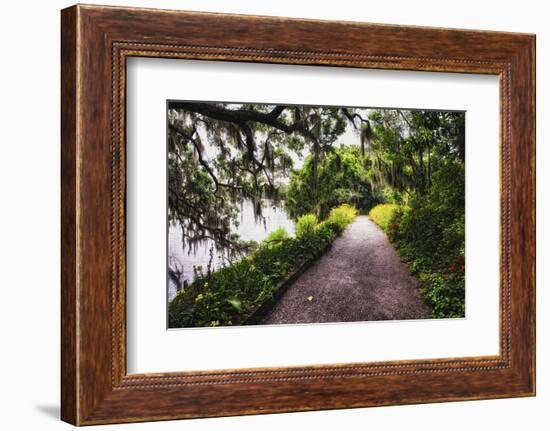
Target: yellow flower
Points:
(215, 323)
(199, 297)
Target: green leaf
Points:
(236, 303)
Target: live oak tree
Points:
(221, 154)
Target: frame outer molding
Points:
(95, 42)
(69, 331)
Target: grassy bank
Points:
(231, 294)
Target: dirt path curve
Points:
(360, 278)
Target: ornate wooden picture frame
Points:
(96, 41)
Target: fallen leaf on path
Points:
(310, 298)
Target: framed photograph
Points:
(266, 215)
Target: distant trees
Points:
(342, 176)
(409, 145)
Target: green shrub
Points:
(341, 216)
(306, 225)
(227, 296)
(276, 236)
(389, 195)
(444, 293)
(383, 215)
(326, 231)
(432, 226)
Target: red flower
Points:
(452, 267)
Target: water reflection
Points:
(248, 229)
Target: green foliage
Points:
(383, 215)
(408, 144)
(230, 295)
(306, 224)
(412, 161)
(429, 235)
(341, 176)
(432, 226)
(444, 292)
(220, 154)
(390, 195)
(341, 216)
(325, 232)
(277, 236)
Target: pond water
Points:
(249, 229)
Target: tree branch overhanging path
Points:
(360, 278)
(256, 144)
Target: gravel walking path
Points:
(360, 278)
